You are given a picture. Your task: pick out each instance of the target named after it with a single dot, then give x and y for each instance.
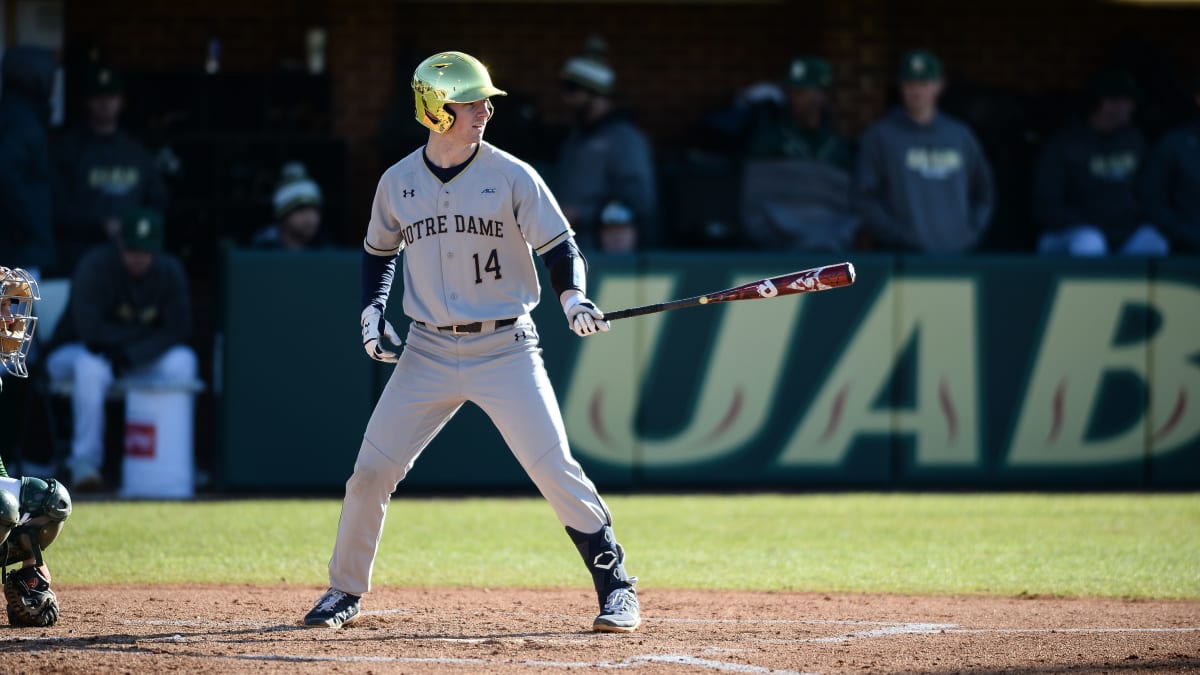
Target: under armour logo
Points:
(409, 193)
(520, 335)
(605, 560)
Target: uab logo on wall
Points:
(1066, 382)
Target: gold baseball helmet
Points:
(18, 290)
(449, 77)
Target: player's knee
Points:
(1088, 241)
(1147, 240)
(374, 472)
(47, 498)
(47, 505)
(548, 465)
(10, 513)
(179, 364)
(94, 369)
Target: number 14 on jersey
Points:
(490, 266)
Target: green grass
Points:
(1071, 545)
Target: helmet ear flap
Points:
(431, 110)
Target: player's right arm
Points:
(550, 235)
(568, 277)
(381, 248)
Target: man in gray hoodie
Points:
(922, 182)
(606, 178)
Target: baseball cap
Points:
(809, 72)
(295, 190)
(920, 64)
(102, 80)
(142, 230)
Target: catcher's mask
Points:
(449, 77)
(18, 290)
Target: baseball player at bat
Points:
(468, 218)
(32, 510)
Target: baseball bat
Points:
(805, 281)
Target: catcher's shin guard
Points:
(48, 505)
(615, 590)
(10, 514)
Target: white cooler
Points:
(159, 463)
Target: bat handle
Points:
(651, 309)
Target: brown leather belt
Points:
(476, 327)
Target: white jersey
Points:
(468, 243)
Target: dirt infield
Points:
(419, 630)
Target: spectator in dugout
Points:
(1171, 184)
(1085, 193)
(795, 190)
(922, 183)
(297, 206)
(100, 171)
(606, 181)
(129, 313)
(802, 128)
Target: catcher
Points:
(32, 510)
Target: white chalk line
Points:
(898, 629)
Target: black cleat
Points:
(334, 610)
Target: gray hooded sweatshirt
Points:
(925, 188)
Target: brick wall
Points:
(674, 62)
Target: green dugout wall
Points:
(929, 373)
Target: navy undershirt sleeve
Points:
(377, 274)
(567, 266)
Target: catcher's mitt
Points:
(30, 600)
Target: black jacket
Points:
(111, 312)
(1088, 178)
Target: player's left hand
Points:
(583, 316)
(373, 324)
